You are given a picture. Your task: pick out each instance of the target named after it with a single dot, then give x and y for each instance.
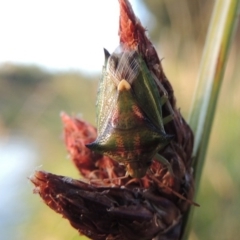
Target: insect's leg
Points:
(165, 162)
(168, 119)
(174, 192)
(164, 98)
(170, 108)
(134, 180)
(95, 177)
(114, 179)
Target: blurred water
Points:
(17, 158)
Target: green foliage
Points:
(214, 59)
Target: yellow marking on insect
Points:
(123, 85)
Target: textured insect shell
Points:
(145, 90)
(128, 137)
(147, 95)
(121, 145)
(106, 97)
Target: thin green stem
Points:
(220, 34)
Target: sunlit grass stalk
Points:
(220, 34)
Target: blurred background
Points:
(51, 55)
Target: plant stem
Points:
(220, 34)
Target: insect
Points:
(129, 112)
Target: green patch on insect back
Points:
(129, 114)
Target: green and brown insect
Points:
(129, 112)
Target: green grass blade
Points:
(221, 30)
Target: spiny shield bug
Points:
(129, 113)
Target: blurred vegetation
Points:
(31, 100)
